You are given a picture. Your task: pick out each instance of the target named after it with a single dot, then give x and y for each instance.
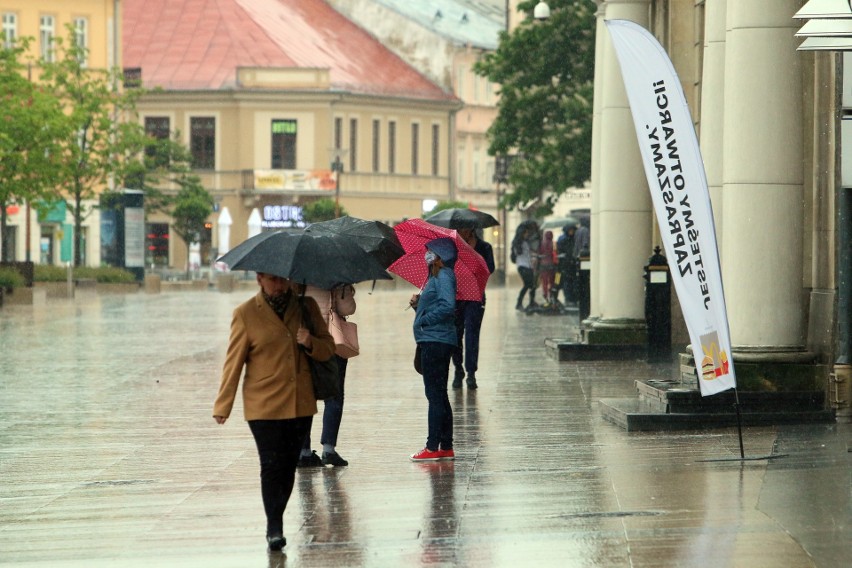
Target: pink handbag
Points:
(345, 334)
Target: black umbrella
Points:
(323, 261)
(460, 218)
(375, 237)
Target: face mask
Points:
(430, 257)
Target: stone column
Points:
(622, 242)
(763, 180)
(601, 42)
(713, 104)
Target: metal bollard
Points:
(658, 310)
(584, 303)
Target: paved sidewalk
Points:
(109, 456)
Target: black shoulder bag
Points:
(324, 374)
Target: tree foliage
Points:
(321, 210)
(192, 205)
(545, 70)
(31, 125)
(95, 107)
(154, 165)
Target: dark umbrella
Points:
(375, 237)
(323, 261)
(460, 218)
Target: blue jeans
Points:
(332, 414)
(435, 358)
(468, 323)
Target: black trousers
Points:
(279, 443)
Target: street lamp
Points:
(541, 11)
(336, 156)
(337, 167)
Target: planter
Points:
(226, 282)
(117, 287)
(55, 289)
(25, 296)
(152, 283)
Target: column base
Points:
(768, 369)
(603, 340)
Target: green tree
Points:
(545, 70)
(96, 109)
(192, 205)
(321, 210)
(446, 205)
(154, 165)
(31, 125)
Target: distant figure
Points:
(469, 316)
(581, 239)
(435, 334)
(547, 266)
(340, 301)
(567, 264)
(524, 247)
(269, 339)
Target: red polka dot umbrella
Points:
(471, 271)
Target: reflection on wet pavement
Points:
(109, 456)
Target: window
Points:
(47, 29)
(377, 133)
(284, 144)
(157, 127)
(202, 142)
(436, 148)
(353, 144)
(338, 132)
(392, 146)
(10, 29)
(415, 147)
(81, 37)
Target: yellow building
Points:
(48, 240)
(268, 95)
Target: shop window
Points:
(157, 244)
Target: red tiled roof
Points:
(199, 44)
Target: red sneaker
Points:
(426, 455)
(447, 454)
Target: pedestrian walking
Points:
(269, 339)
(435, 335)
(524, 247)
(339, 303)
(547, 267)
(469, 314)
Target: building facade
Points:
(310, 106)
(768, 122)
(444, 39)
(48, 238)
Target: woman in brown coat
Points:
(269, 339)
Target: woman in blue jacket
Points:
(435, 334)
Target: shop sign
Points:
(294, 180)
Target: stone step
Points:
(575, 350)
(635, 415)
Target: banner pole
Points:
(739, 421)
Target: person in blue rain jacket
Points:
(435, 334)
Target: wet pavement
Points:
(109, 455)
